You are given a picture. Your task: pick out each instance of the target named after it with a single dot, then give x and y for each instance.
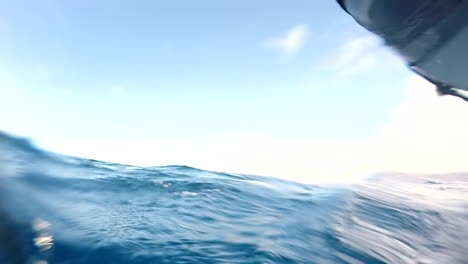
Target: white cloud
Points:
(360, 54)
(292, 41)
(305, 161)
(427, 134)
(12, 112)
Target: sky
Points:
(289, 89)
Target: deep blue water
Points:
(62, 209)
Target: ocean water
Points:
(59, 209)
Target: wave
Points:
(62, 209)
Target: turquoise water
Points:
(63, 209)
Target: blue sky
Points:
(92, 78)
